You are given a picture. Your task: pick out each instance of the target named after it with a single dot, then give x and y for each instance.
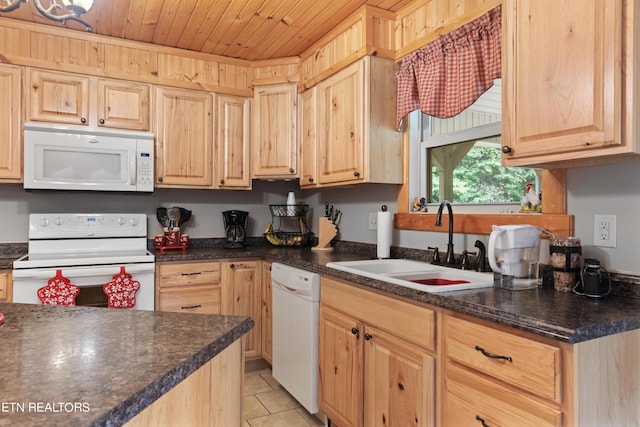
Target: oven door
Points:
(90, 279)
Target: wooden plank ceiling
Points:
(247, 29)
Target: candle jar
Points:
(565, 255)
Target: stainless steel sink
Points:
(416, 274)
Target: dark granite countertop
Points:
(544, 311)
(84, 366)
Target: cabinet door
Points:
(184, 146)
(123, 105)
(341, 126)
(58, 97)
(6, 286)
(241, 283)
(399, 382)
(273, 149)
(267, 318)
(10, 138)
(341, 368)
(232, 142)
(307, 122)
(563, 79)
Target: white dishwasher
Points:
(295, 304)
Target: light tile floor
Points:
(267, 404)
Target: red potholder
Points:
(59, 291)
(121, 291)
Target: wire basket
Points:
(287, 238)
(289, 210)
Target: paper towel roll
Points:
(385, 230)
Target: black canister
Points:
(595, 279)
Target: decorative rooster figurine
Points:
(530, 201)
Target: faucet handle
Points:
(465, 265)
(436, 253)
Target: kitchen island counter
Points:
(85, 366)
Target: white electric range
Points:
(89, 250)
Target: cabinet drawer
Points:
(411, 322)
(185, 274)
(193, 299)
(470, 399)
(531, 365)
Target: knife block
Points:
(327, 231)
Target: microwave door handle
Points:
(133, 169)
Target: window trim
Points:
(554, 206)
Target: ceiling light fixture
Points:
(75, 8)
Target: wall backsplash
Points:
(612, 189)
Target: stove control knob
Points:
(133, 222)
(121, 221)
(44, 222)
(59, 221)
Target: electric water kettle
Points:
(513, 254)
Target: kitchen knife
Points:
(326, 210)
(331, 212)
(337, 218)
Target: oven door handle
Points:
(71, 272)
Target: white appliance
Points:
(89, 249)
(296, 301)
(58, 157)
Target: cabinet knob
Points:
(83, 120)
(232, 266)
(310, 179)
(356, 174)
(355, 331)
(159, 179)
(222, 182)
(101, 121)
(506, 149)
(291, 170)
(368, 337)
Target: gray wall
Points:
(613, 189)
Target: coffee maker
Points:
(235, 228)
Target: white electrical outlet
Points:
(604, 231)
(373, 220)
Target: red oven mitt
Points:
(121, 291)
(59, 291)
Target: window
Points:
(460, 158)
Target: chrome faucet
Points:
(451, 258)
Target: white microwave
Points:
(58, 157)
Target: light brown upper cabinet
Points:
(83, 100)
(273, 150)
(356, 139)
(232, 142)
(184, 138)
(307, 141)
(569, 87)
(10, 120)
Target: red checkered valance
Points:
(450, 73)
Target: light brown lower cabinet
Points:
(377, 366)
(386, 361)
(6, 286)
(267, 317)
(214, 287)
(189, 287)
(242, 283)
(211, 396)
